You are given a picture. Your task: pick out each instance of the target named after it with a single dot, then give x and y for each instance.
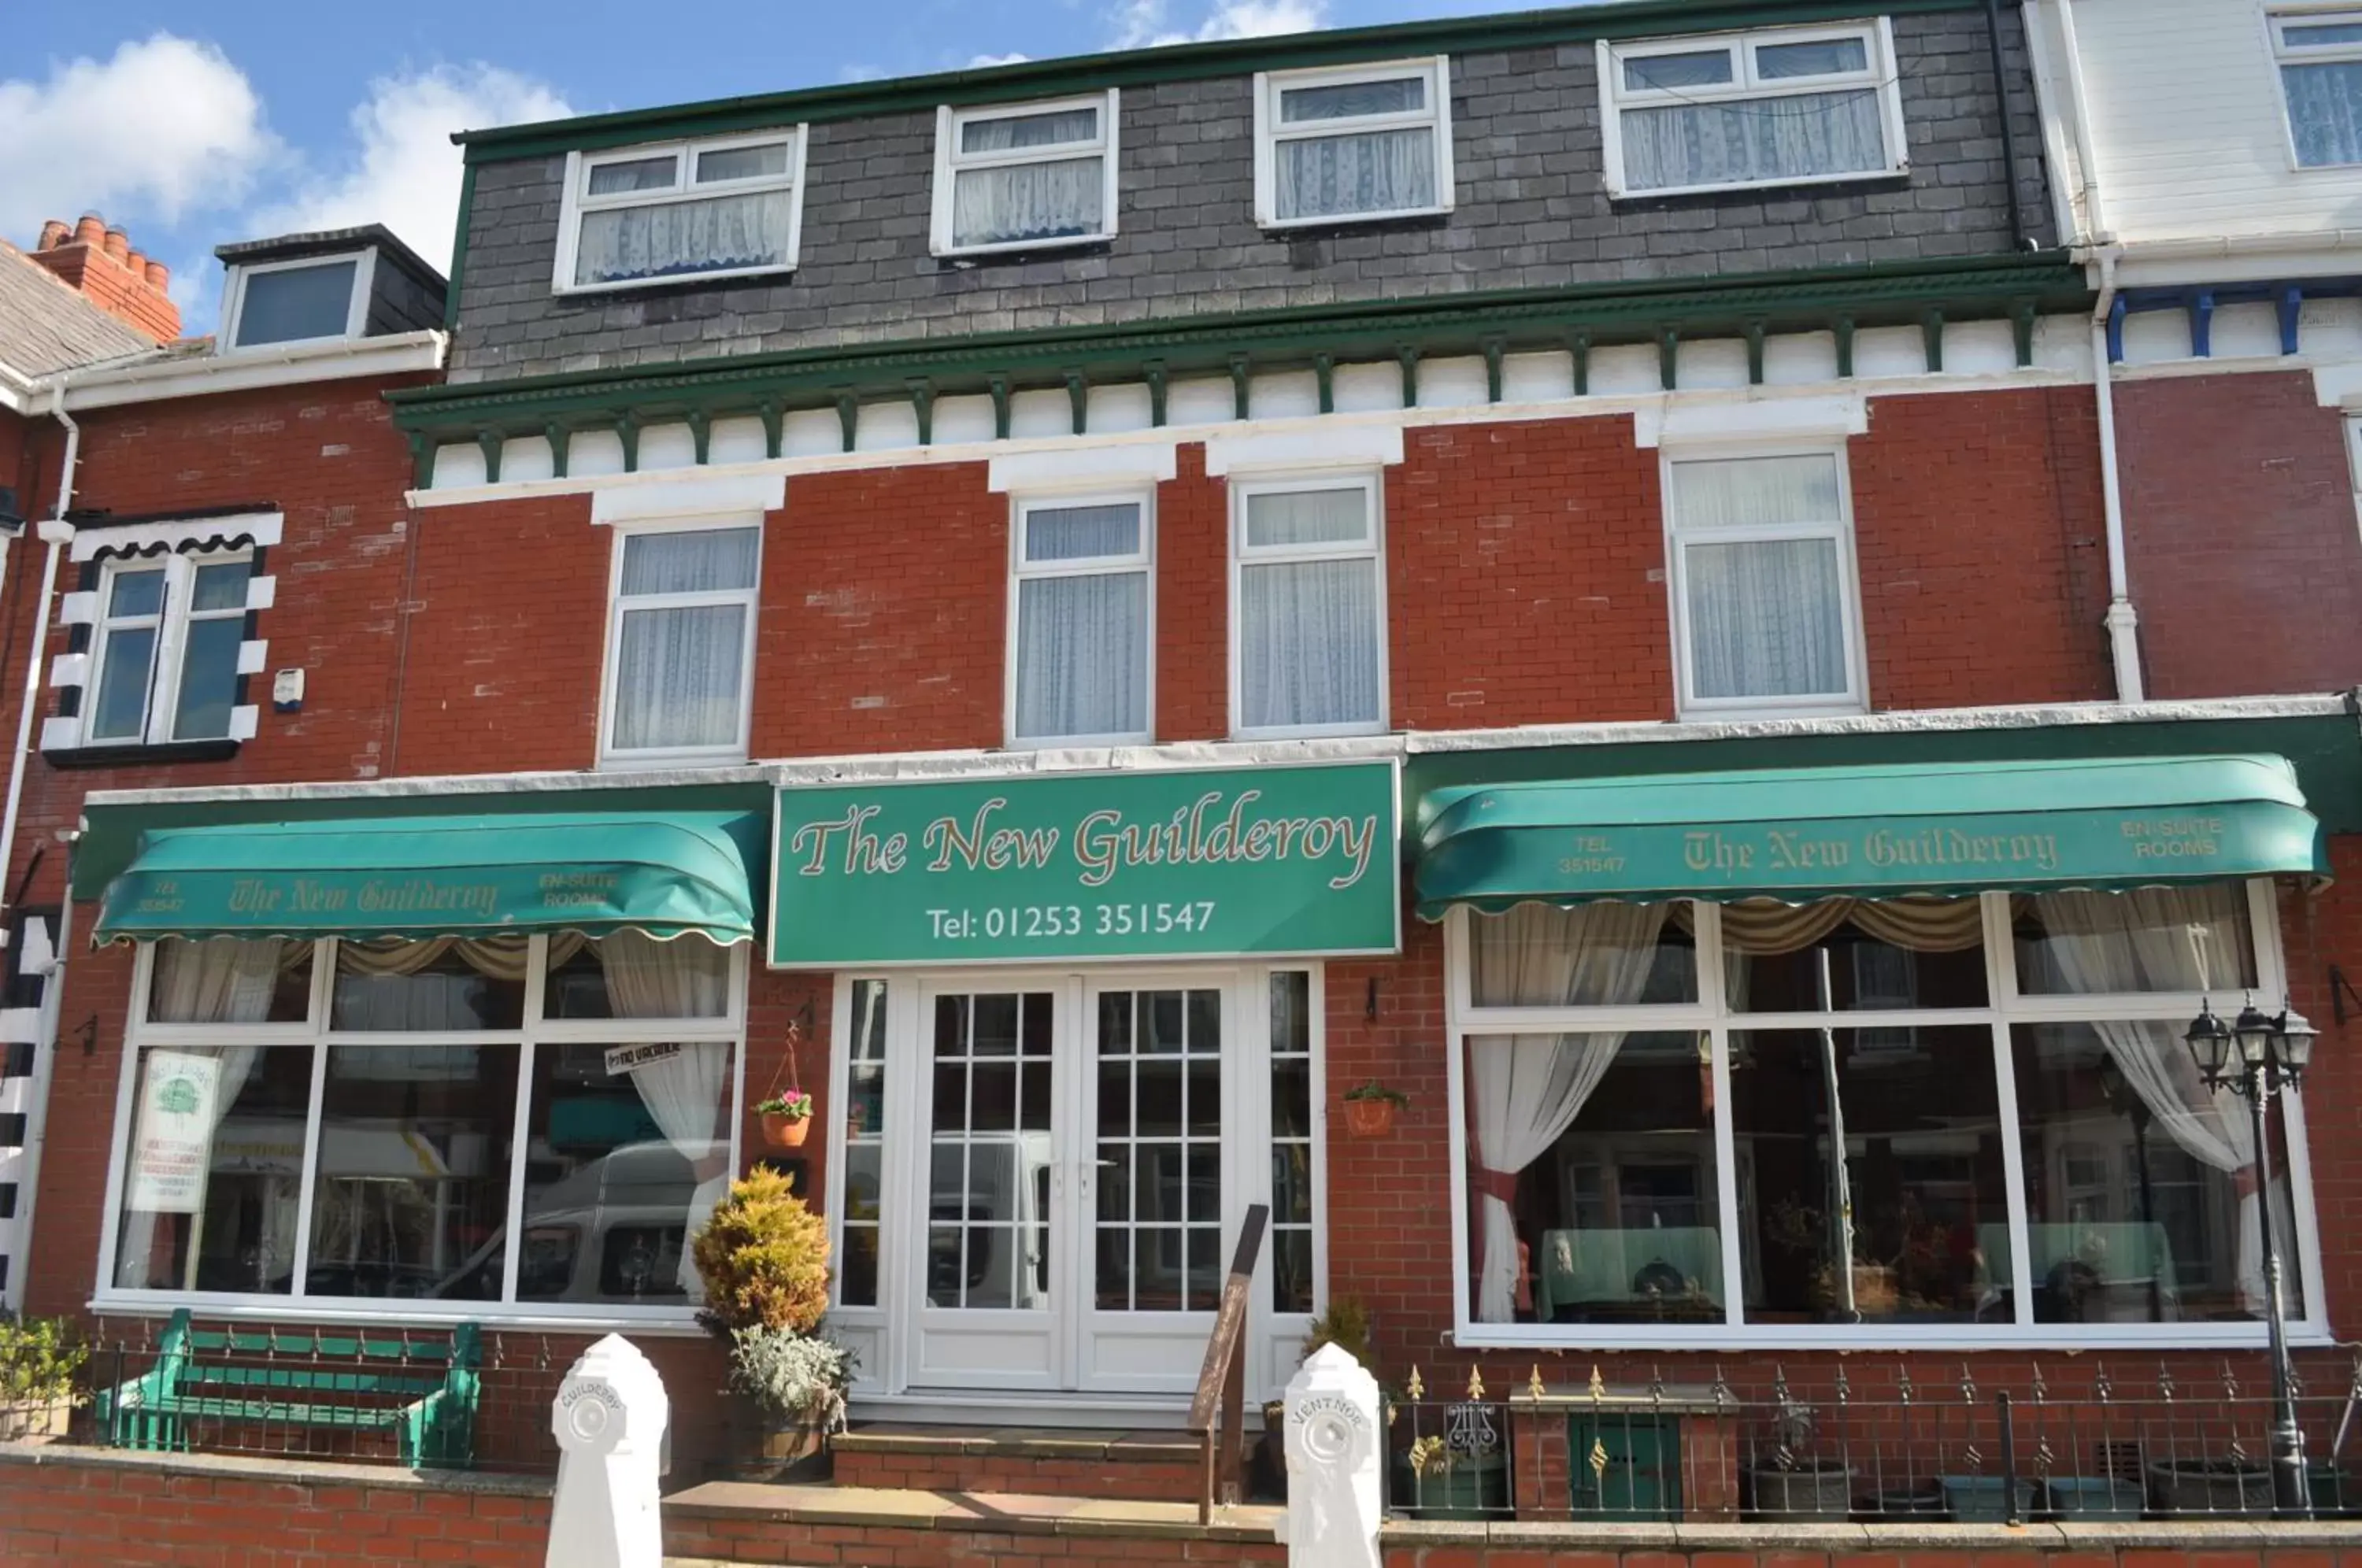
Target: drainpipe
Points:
(57, 532)
(2019, 238)
(2123, 625)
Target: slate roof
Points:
(46, 327)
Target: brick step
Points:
(1034, 1461)
(732, 1522)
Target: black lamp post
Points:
(2257, 1056)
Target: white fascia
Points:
(1124, 465)
(1697, 417)
(650, 497)
(2183, 261)
(428, 787)
(340, 358)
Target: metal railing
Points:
(1911, 1439)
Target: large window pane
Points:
(633, 975)
(429, 986)
(630, 1152)
(2194, 938)
(677, 677)
(296, 303)
(410, 1194)
(1766, 618)
(208, 678)
(705, 561)
(1340, 176)
(224, 980)
(1603, 954)
(1310, 644)
(1794, 137)
(865, 1144)
(1082, 655)
(120, 712)
(2140, 1182)
(1911, 1225)
(214, 1168)
(673, 239)
(1594, 1179)
(2325, 105)
(1018, 201)
(1854, 955)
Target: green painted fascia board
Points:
(2326, 750)
(111, 835)
(1526, 319)
(1082, 74)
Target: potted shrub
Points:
(787, 1118)
(764, 1259)
(1370, 1109)
(39, 1358)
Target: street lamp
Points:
(2257, 1056)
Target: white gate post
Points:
(1333, 1454)
(609, 1418)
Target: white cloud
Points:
(405, 172)
(984, 61)
(162, 127)
(1139, 24)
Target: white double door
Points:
(1078, 1171)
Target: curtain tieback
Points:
(1500, 1185)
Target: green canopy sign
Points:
(1204, 863)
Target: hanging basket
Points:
(1370, 1118)
(785, 1132)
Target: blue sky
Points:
(191, 126)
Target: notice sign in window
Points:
(1211, 862)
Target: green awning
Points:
(667, 874)
(1811, 833)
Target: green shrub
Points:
(764, 1258)
(39, 1359)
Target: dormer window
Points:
(730, 207)
(271, 303)
(1022, 178)
(1350, 146)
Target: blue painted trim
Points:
(2202, 324)
(2291, 310)
(2199, 301)
(2116, 313)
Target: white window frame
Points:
(172, 625)
(2276, 23)
(1373, 548)
(317, 1034)
(1687, 704)
(950, 162)
(1269, 131)
(355, 309)
(1878, 37)
(576, 202)
(1142, 562)
(610, 755)
(1709, 1017)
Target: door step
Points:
(1031, 1461)
(731, 1522)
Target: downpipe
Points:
(2122, 621)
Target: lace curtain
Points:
(1525, 1090)
(2165, 939)
(2324, 105)
(1309, 643)
(218, 981)
(1800, 137)
(1029, 201)
(670, 240)
(680, 667)
(684, 1092)
(1082, 640)
(1766, 617)
(1370, 171)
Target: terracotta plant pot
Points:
(785, 1132)
(1369, 1118)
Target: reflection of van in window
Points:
(610, 1231)
(1001, 1256)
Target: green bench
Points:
(419, 1386)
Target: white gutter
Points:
(151, 378)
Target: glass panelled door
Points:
(991, 1268)
(1156, 1105)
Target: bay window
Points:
(1925, 1119)
(510, 1124)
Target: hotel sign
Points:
(1205, 863)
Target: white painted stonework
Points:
(609, 1418)
(1333, 1453)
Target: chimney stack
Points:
(98, 263)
